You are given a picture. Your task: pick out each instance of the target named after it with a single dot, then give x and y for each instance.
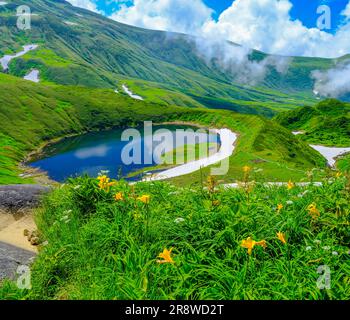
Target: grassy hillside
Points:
(343, 163)
(98, 52)
(33, 113)
(327, 123)
(95, 247)
(96, 242)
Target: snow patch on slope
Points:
(5, 60)
(130, 93)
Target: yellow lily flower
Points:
(166, 256)
(250, 244)
(104, 183)
(119, 197)
(279, 207)
(246, 169)
(145, 199)
(281, 237)
(313, 211)
(290, 185)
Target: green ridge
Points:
(327, 123)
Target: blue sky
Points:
(302, 9)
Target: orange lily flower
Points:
(279, 207)
(166, 256)
(250, 244)
(281, 237)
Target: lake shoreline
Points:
(37, 153)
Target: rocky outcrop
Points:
(11, 258)
(15, 198)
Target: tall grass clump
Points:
(111, 240)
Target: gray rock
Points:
(11, 258)
(18, 197)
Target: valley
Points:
(64, 116)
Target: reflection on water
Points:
(93, 152)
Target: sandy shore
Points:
(12, 227)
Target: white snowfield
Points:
(130, 93)
(32, 76)
(227, 137)
(5, 60)
(331, 153)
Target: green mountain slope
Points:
(32, 114)
(327, 123)
(78, 47)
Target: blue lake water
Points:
(92, 153)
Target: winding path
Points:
(228, 139)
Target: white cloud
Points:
(235, 59)
(169, 15)
(266, 25)
(191, 17)
(346, 11)
(85, 4)
(99, 151)
(333, 82)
